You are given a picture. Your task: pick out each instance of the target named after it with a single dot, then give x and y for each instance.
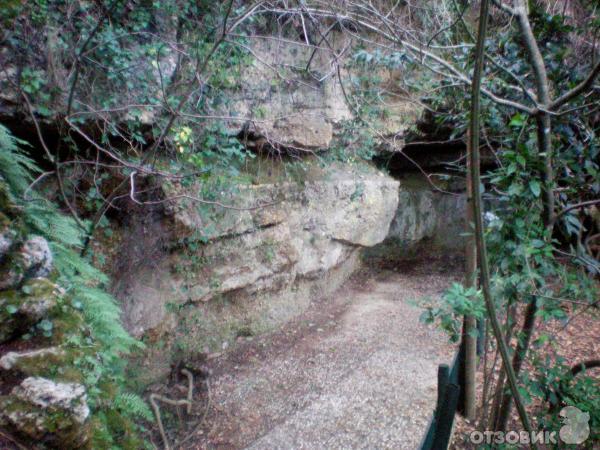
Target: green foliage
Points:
(134, 405)
(218, 155)
(458, 301)
(102, 363)
(355, 143)
(361, 136)
(531, 264)
(558, 387)
(16, 167)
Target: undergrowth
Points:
(102, 345)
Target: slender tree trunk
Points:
(500, 391)
(544, 125)
(478, 213)
(470, 328)
(497, 401)
(517, 363)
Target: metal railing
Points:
(449, 401)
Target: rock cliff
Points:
(255, 266)
(193, 275)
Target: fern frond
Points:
(103, 314)
(16, 168)
(46, 220)
(70, 264)
(134, 405)
(83, 281)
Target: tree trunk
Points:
(545, 149)
(478, 214)
(470, 328)
(518, 358)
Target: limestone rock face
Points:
(288, 110)
(426, 219)
(291, 94)
(416, 217)
(428, 215)
(306, 131)
(255, 260)
(354, 210)
(48, 412)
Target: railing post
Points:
(439, 430)
(445, 418)
(461, 376)
(443, 381)
(480, 336)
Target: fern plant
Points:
(102, 364)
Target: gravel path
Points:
(357, 371)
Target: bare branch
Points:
(581, 87)
(190, 197)
(576, 206)
(54, 160)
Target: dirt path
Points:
(358, 370)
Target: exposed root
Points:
(154, 398)
(204, 415)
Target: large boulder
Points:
(274, 248)
(48, 412)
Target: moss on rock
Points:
(50, 413)
(22, 308)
